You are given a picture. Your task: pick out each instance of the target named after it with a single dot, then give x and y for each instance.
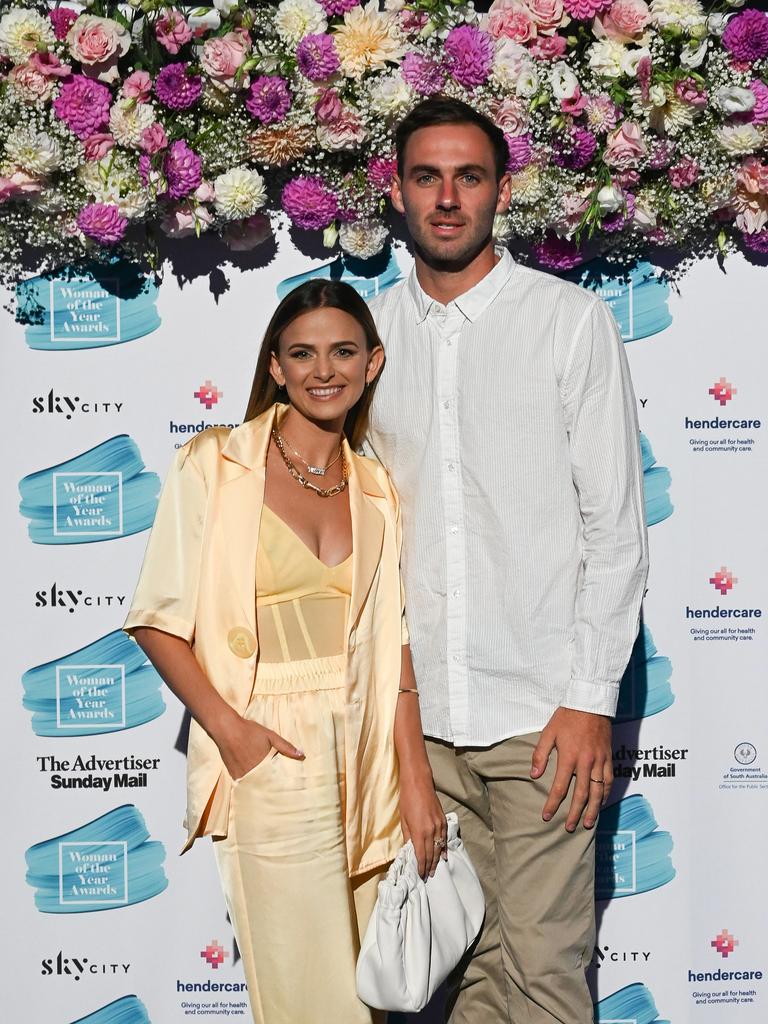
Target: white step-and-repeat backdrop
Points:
(103, 922)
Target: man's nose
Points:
(448, 196)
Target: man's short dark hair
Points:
(439, 110)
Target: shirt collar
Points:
(472, 303)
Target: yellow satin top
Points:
(302, 604)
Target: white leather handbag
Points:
(419, 931)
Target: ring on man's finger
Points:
(597, 782)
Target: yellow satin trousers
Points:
(297, 915)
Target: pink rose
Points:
(511, 115)
(182, 221)
(625, 146)
(153, 138)
(172, 31)
(205, 192)
(138, 86)
(548, 47)
(752, 176)
(48, 64)
(684, 173)
(329, 107)
(18, 183)
(347, 132)
(98, 43)
(624, 22)
(512, 20)
(574, 105)
(548, 14)
(30, 84)
(98, 145)
(687, 90)
(222, 56)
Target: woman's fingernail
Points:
(299, 752)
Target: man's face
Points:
(449, 193)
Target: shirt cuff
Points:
(159, 620)
(596, 698)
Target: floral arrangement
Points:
(630, 124)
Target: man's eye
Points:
(425, 179)
(470, 179)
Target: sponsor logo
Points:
(92, 772)
(88, 504)
(85, 308)
(69, 405)
(744, 773)
(722, 391)
(648, 762)
(208, 394)
(745, 753)
(75, 967)
(57, 596)
(214, 954)
(87, 693)
(723, 580)
(724, 943)
(735, 992)
(607, 955)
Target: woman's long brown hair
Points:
(315, 294)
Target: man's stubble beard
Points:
(434, 257)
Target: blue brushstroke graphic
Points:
(631, 1005)
(100, 494)
(645, 688)
(656, 483)
(127, 1010)
(109, 862)
(637, 297)
(631, 856)
(106, 686)
(87, 307)
(368, 277)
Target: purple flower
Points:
(558, 253)
(757, 242)
(759, 113)
(332, 7)
(622, 217)
(422, 74)
(103, 222)
(661, 154)
(381, 170)
(62, 19)
(575, 150)
(83, 104)
(176, 88)
(183, 169)
(268, 99)
(316, 56)
(520, 152)
(585, 10)
(746, 36)
(684, 173)
(470, 55)
(601, 113)
(309, 203)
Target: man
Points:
(507, 420)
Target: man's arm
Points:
(601, 420)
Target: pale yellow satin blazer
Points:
(198, 582)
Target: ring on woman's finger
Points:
(597, 782)
(439, 842)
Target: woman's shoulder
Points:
(204, 448)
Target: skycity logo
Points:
(724, 943)
(722, 391)
(208, 394)
(723, 580)
(75, 967)
(59, 597)
(68, 405)
(214, 954)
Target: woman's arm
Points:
(242, 743)
(422, 817)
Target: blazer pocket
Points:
(264, 762)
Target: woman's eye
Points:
(299, 353)
(345, 353)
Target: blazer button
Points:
(241, 642)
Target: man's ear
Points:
(396, 194)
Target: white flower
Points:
(610, 199)
(563, 81)
(295, 19)
(502, 227)
(240, 192)
(363, 238)
(115, 179)
(509, 60)
(692, 55)
(35, 152)
(391, 96)
(21, 31)
(366, 40)
(527, 81)
(732, 99)
(632, 58)
(740, 138)
(685, 14)
(128, 119)
(606, 58)
(645, 217)
(716, 24)
(225, 7)
(657, 95)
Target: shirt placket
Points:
(450, 323)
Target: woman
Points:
(270, 602)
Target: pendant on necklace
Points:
(316, 470)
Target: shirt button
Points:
(446, 405)
(451, 466)
(454, 530)
(457, 592)
(456, 657)
(241, 642)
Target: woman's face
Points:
(324, 364)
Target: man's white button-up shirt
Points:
(508, 424)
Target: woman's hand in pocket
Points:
(244, 744)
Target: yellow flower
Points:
(366, 41)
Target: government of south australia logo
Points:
(745, 753)
(724, 943)
(723, 580)
(722, 391)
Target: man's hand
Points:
(583, 744)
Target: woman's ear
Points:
(375, 363)
(275, 371)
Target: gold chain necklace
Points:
(314, 470)
(321, 492)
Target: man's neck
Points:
(444, 284)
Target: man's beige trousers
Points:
(529, 964)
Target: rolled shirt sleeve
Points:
(604, 438)
(167, 591)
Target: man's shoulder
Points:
(555, 291)
(383, 305)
